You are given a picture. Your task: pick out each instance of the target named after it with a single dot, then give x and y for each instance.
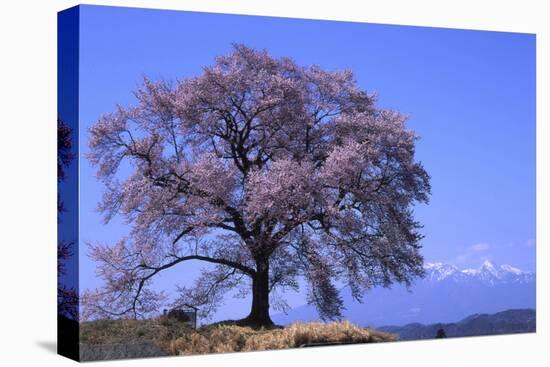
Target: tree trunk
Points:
(259, 313)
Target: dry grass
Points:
(220, 339)
(175, 337)
(160, 331)
(230, 338)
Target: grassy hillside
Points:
(175, 338)
(160, 331)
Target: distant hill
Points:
(505, 322)
(445, 294)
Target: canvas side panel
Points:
(67, 166)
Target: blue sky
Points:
(470, 96)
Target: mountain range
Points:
(505, 322)
(445, 294)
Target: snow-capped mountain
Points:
(488, 273)
(445, 294)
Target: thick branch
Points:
(232, 264)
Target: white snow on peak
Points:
(510, 269)
(470, 271)
(489, 267)
(439, 271)
(487, 264)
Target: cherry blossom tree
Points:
(266, 170)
